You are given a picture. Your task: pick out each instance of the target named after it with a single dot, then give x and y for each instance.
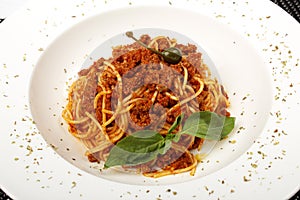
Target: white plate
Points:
(254, 46)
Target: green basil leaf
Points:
(208, 125)
(175, 137)
(176, 123)
(228, 126)
(144, 146)
(138, 148)
(166, 147)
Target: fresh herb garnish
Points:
(138, 148)
(208, 125)
(145, 145)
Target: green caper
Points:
(171, 55)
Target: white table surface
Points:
(7, 7)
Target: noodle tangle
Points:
(103, 107)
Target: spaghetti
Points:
(134, 90)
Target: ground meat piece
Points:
(163, 44)
(196, 144)
(92, 158)
(182, 162)
(186, 49)
(195, 59)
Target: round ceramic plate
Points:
(255, 50)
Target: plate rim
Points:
(51, 42)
